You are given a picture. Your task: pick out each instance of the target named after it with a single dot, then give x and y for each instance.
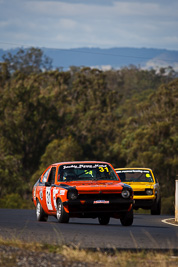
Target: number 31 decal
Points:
(101, 169)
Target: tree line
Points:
(127, 117)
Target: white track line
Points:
(165, 221)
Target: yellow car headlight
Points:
(149, 191)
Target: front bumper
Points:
(144, 203)
(98, 207)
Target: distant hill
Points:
(109, 58)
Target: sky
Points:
(89, 23)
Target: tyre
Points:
(61, 214)
(103, 220)
(40, 214)
(157, 209)
(127, 218)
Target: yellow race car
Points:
(145, 186)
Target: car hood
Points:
(97, 186)
(139, 186)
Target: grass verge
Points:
(17, 253)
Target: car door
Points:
(40, 192)
(51, 191)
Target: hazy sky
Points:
(89, 23)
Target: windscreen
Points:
(77, 172)
(135, 175)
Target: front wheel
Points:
(40, 214)
(157, 209)
(127, 218)
(103, 220)
(61, 214)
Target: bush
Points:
(15, 201)
(168, 205)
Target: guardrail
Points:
(176, 201)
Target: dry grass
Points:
(88, 257)
(123, 258)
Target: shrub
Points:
(168, 205)
(15, 201)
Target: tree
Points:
(124, 117)
(4, 73)
(27, 61)
(66, 149)
(150, 139)
(27, 123)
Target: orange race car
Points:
(85, 189)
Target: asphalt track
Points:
(147, 231)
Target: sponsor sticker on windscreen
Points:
(125, 171)
(84, 166)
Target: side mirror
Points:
(47, 184)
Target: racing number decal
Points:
(101, 169)
(55, 191)
(48, 198)
(51, 197)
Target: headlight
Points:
(72, 194)
(149, 191)
(125, 193)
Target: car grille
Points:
(140, 193)
(99, 196)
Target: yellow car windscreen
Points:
(135, 175)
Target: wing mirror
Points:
(47, 184)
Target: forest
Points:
(128, 117)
